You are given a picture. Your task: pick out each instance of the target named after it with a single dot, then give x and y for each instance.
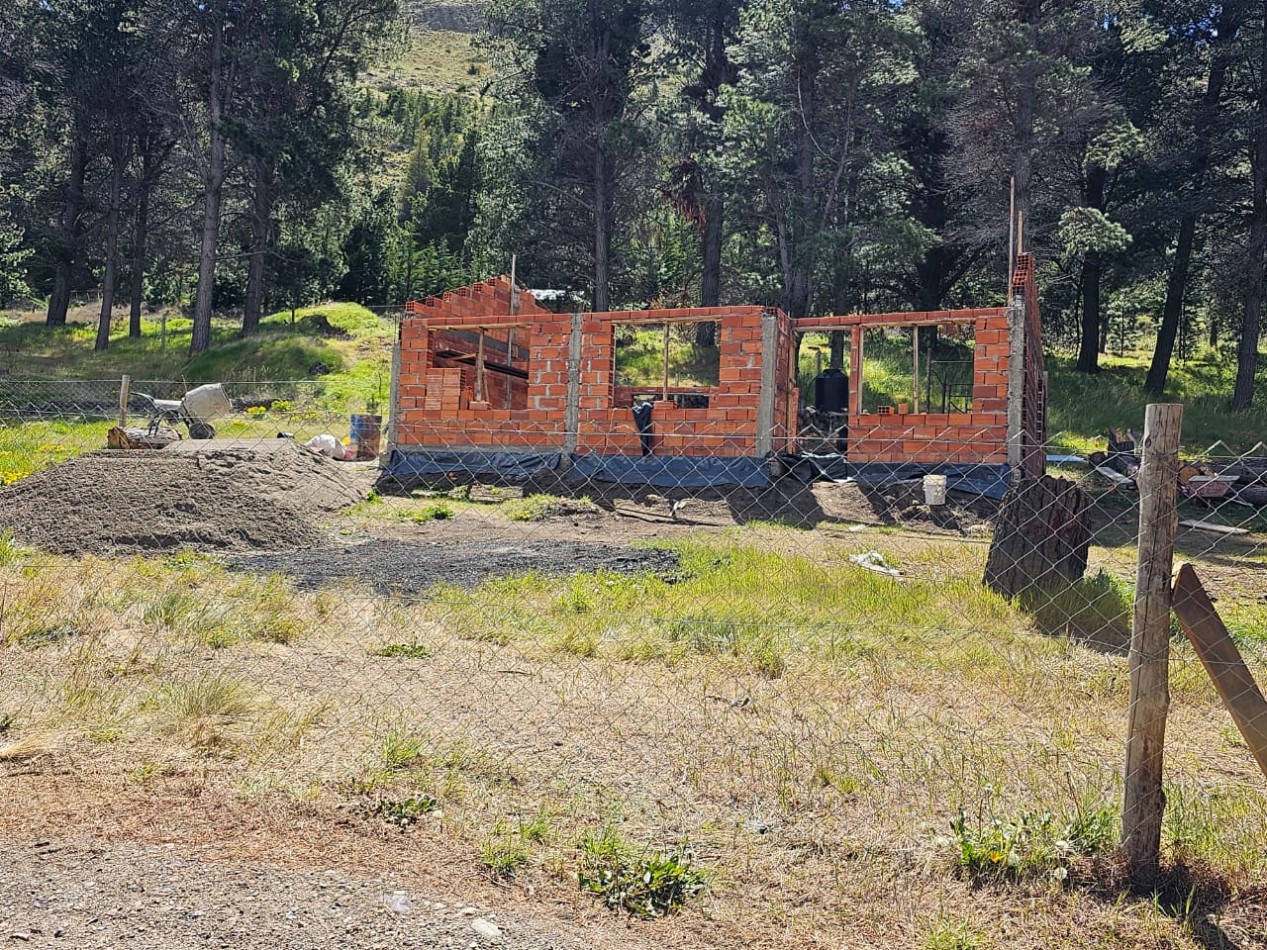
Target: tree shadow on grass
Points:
(1218, 914)
(1095, 612)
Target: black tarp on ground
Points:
(681, 471)
(408, 465)
(990, 481)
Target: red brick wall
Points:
(977, 436)
(727, 427)
(1034, 389)
(435, 406)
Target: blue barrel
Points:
(366, 435)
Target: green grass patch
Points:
(1096, 610)
(640, 357)
(352, 363)
(503, 853)
(408, 651)
(1083, 407)
(740, 604)
(29, 447)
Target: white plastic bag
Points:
(326, 445)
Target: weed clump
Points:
(503, 855)
(645, 884)
(437, 512)
(540, 507)
(403, 812)
(1031, 845)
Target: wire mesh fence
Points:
(790, 681)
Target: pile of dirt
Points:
(211, 496)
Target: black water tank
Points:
(831, 391)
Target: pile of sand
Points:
(265, 495)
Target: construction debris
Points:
(132, 437)
(1214, 528)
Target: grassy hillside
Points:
(352, 359)
(440, 61)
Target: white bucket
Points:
(934, 489)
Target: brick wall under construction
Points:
(549, 382)
(558, 391)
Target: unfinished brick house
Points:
(488, 382)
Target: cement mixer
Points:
(196, 410)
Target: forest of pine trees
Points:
(229, 157)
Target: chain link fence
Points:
(795, 701)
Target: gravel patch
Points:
(401, 567)
(209, 496)
(124, 895)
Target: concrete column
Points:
(1016, 386)
(572, 417)
(769, 382)
(393, 398)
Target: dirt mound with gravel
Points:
(398, 567)
(266, 496)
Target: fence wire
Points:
(797, 687)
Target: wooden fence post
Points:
(125, 396)
(1145, 801)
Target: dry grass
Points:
(808, 729)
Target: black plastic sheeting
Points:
(407, 464)
(990, 481)
(684, 471)
(672, 471)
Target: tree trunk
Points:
(798, 280)
(837, 354)
(1247, 353)
(1089, 344)
(1092, 270)
(1029, 13)
(602, 230)
(69, 228)
(140, 227)
(1176, 285)
(1177, 281)
(1041, 540)
(213, 182)
(117, 162)
(710, 280)
(261, 226)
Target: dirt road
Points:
(85, 895)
